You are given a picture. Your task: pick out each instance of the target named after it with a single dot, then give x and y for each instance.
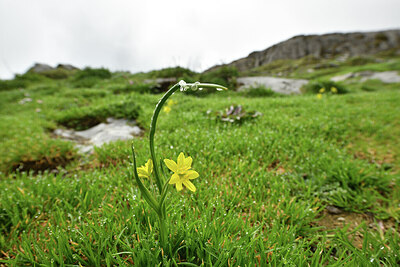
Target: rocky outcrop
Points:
(322, 46)
(40, 68)
(44, 68)
(384, 76)
(67, 67)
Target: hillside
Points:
(325, 46)
(309, 179)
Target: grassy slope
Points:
(261, 193)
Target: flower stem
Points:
(163, 230)
(159, 181)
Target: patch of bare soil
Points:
(45, 163)
(333, 218)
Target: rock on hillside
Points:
(43, 68)
(322, 46)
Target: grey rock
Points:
(40, 68)
(343, 77)
(67, 67)
(25, 100)
(334, 45)
(333, 209)
(279, 85)
(113, 130)
(385, 77)
(66, 134)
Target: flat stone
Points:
(343, 77)
(333, 209)
(385, 77)
(279, 85)
(113, 130)
(341, 219)
(40, 68)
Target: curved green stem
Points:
(159, 181)
(145, 192)
(157, 110)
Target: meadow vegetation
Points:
(266, 188)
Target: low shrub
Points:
(46, 89)
(88, 77)
(85, 93)
(57, 74)
(367, 88)
(101, 73)
(81, 118)
(12, 84)
(359, 61)
(258, 91)
(171, 72)
(141, 88)
(88, 82)
(225, 76)
(324, 86)
(30, 77)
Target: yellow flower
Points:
(321, 90)
(146, 170)
(334, 90)
(167, 109)
(319, 96)
(171, 102)
(182, 172)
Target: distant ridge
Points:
(321, 46)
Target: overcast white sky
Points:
(145, 35)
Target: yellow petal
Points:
(171, 164)
(179, 186)
(142, 172)
(149, 166)
(174, 178)
(181, 160)
(189, 185)
(188, 162)
(191, 174)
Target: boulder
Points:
(67, 67)
(279, 85)
(40, 68)
(113, 130)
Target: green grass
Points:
(260, 197)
